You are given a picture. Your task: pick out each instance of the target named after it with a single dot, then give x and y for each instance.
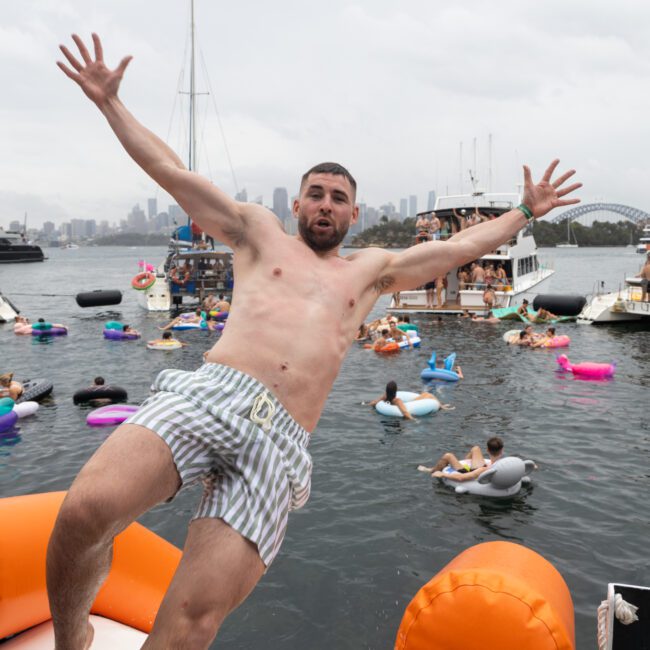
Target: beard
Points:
(318, 242)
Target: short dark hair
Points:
(384, 332)
(552, 330)
(41, 320)
(329, 168)
(167, 335)
(494, 444)
(125, 328)
(524, 301)
(99, 381)
(391, 391)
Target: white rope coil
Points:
(625, 612)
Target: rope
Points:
(48, 295)
(625, 613)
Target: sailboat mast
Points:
(192, 147)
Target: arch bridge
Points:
(632, 214)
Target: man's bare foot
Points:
(422, 468)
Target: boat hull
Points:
(617, 307)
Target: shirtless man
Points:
(473, 465)
(222, 304)
(478, 276)
(240, 423)
(644, 274)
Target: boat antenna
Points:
(192, 151)
(460, 170)
(490, 162)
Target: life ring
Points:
(503, 479)
(412, 337)
(41, 326)
(446, 373)
(34, 390)
(389, 348)
(85, 395)
(561, 341)
(50, 331)
(143, 281)
(24, 409)
(414, 407)
(509, 334)
(108, 416)
(164, 345)
(202, 325)
(219, 315)
(120, 335)
(6, 405)
(8, 420)
(519, 598)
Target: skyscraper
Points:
(403, 208)
(431, 201)
(152, 207)
(413, 205)
(281, 203)
(242, 196)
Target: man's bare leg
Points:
(218, 570)
(444, 460)
(130, 473)
(476, 457)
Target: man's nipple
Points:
(352, 302)
(277, 271)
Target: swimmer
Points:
(166, 338)
(127, 329)
(390, 396)
(544, 339)
(183, 319)
(274, 375)
(9, 387)
(475, 318)
(471, 467)
(523, 309)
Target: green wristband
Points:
(527, 212)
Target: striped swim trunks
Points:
(226, 429)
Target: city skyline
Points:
(398, 89)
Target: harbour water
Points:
(375, 530)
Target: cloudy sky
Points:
(388, 89)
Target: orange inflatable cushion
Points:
(493, 595)
(142, 569)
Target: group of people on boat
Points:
(186, 271)
(431, 226)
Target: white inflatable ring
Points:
(503, 479)
(414, 407)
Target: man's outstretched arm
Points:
(218, 214)
(417, 264)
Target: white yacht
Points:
(644, 243)
(526, 277)
(623, 305)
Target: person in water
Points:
(9, 387)
(241, 423)
(471, 467)
(390, 396)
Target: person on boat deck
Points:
(501, 274)
(430, 293)
(254, 464)
(490, 274)
(423, 224)
(441, 285)
(9, 387)
(489, 297)
(544, 338)
(398, 335)
(435, 226)
(644, 274)
(390, 396)
(463, 278)
(471, 467)
(181, 275)
(478, 276)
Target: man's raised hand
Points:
(96, 80)
(547, 194)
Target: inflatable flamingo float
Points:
(588, 369)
